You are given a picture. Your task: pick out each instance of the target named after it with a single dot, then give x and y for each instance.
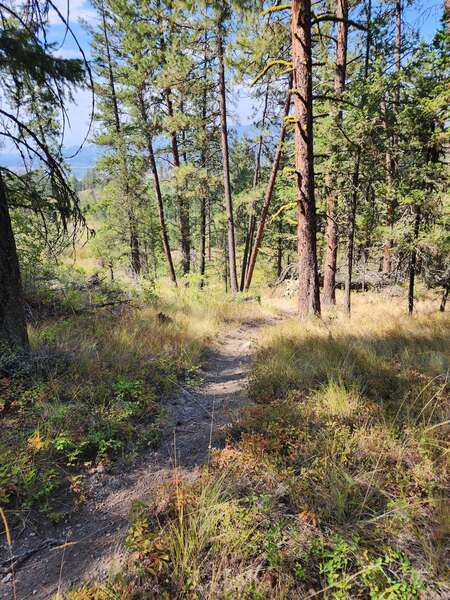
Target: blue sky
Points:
(424, 16)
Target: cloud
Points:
(78, 9)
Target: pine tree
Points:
(35, 83)
(309, 297)
(114, 135)
(331, 236)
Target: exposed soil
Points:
(93, 537)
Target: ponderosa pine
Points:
(231, 242)
(309, 295)
(269, 191)
(331, 233)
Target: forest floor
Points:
(90, 543)
(286, 459)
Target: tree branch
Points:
(334, 19)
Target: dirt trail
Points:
(195, 420)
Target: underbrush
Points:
(334, 485)
(93, 396)
(93, 389)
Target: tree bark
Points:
(269, 192)
(355, 179)
(225, 261)
(203, 159)
(413, 262)
(13, 329)
(331, 238)
(389, 160)
(135, 252)
(309, 298)
(160, 204)
(226, 160)
(202, 268)
(398, 44)
(444, 297)
(209, 230)
(183, 210)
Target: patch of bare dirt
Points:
(90, 543)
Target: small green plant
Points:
(149, 292)
(272, 547)
(125, 389)
(349, 570)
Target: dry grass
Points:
(335, 483)
(96, 390)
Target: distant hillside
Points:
(85, 159)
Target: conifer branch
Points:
(276, 8)
(271, 64)
(334, 19)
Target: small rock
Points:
(7, 578)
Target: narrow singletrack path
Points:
(194, 421)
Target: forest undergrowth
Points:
(332, 484)
(94, 393)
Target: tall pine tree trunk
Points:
(398, 46)
(135, 252)
(203, 159)
(226, 159)
(202, 266)
(269, 192)
(391, 167)
(160, 204)
(183, 209)
(331, 238)
(413, 261)
(351, 225)
(135, 260)
(13, 330)
(388, 242)
(444, 297)
(210, 222)
(225, 261)
(309, 298)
